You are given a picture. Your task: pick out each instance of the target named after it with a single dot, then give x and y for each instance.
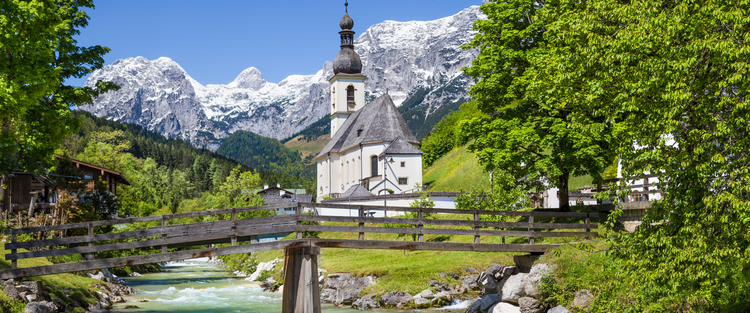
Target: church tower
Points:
(348, 82)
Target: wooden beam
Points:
(145, 259)
(437, 246)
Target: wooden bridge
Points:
(232, 235)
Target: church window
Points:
(403, 180)
(350, 96)
(403, 164)
(374, 165)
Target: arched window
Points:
(374, 165)
(350, 96)
(347, 172)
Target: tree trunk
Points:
(564, 203)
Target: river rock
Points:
(422, 303)
(558, 309)
(487, 282)
(471, 270)
(443, 275)
(530, 305)
(40, 307)
(474, 307)
(135, 274)
(427, 294)
(270, 284)
(263, 266)
(453, 274)
(514, 288)
(494, 270)
(442, 295)
(534, 279)
(366, 303)
(503, 307)
(10, 289)
(488, 301)
(395, 298)
(470, 282)
(344, 288)
(583, 299)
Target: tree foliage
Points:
(665, 83)
(535, 129)
(38, 53)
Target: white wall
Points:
(338, 98)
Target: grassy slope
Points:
(54, 284)
(458, 170)
(306, 148)
(411, 271)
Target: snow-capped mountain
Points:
(418, 62)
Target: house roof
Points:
(400, 146)
(356, 191)
(377, 121)
(272, 188)
(118, 176)
(287, 198)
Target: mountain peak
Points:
(250, 78)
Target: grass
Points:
(455, 171)
(411, 271)
(458, 169)
(81, 287)
(306, 148)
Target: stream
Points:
(197, 286)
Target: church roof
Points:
(356, 191)
(400, 146)
(377, 121)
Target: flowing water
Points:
(198, 286)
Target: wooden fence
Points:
(234, 231)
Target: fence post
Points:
(587, 222)
(90, 256)
(234, 226)
(531, 228)
(361, 224)
(13, 263)
(299, 221)
(420, 237)
(476, 227)
(163, 233)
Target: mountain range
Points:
(418, 63)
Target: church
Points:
(371, 147)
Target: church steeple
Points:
(347, 60)
(347, 83)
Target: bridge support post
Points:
(301, 289)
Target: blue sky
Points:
(215, 40)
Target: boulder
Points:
(98, 276)
(514, 288)
(509, 271)
(366, 303)
(395, 298)
(503, 307)
(40, 307)
(534, 279)
(488, 301)
(494, 269)
(558, 309)
(427, 294)
(135, 274)
(422, 303)
(443, 295)
(453, 274)
(470, 282)
(344, 288)
(443, 275)
(270, 284)
(487, 282)
(583, 299)
(262, 266)
(471, 270)
(474, 307)
(10, 289)
(530, 305)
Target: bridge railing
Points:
(235, 230)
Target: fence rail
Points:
(233, 231)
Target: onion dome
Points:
(346, 22)
(347, 61)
